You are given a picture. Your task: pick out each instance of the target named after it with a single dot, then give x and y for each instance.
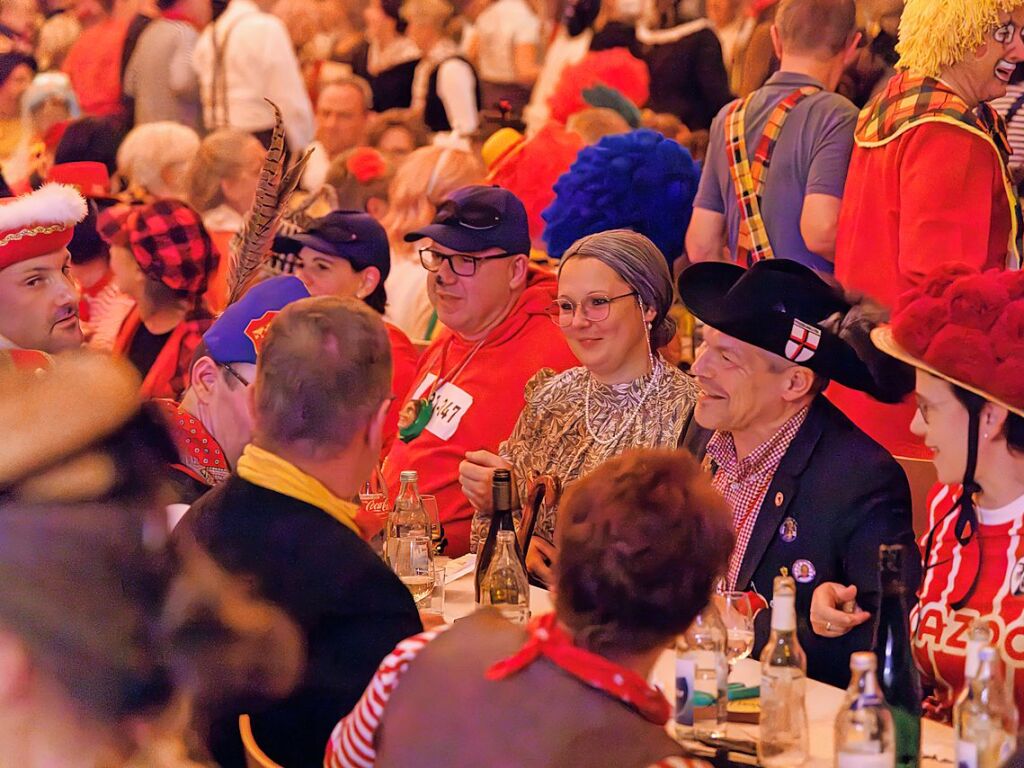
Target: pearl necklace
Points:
(627, 422)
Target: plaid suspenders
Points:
(749, 177)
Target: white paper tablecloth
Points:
(823, 701)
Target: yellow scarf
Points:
(269, 471)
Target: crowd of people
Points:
(679, 266)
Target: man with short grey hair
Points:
(809, 491)
(776, 163)
(342, 114)
(285, 522)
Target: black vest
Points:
(434, 113)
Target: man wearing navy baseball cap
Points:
(212, 423)
(468, 391)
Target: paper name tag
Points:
(450, 404)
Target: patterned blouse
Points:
(551, 436)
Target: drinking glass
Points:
(413, 564)
(435, 602)
(738, 618)
(436, 531)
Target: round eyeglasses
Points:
(595, 309)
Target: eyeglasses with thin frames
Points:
(462, 264)
(244, 382)
(595, 309)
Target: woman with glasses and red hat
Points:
(964, 333)
(162, 257)
(614, 294)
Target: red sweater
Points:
(404, 360)
(479, 408)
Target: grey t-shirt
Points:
(160, 77)
(811, 157)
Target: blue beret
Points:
(237, 335)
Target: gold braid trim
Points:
(21, 234)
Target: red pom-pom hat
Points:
(615, 67)
(38, 223)
(965, 327)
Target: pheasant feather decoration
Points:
(250, 248)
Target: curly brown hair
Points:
(641, 541)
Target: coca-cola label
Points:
(378, 505)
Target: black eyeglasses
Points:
(462, 264)
(469, 215)
(245, 382)
(595, 309)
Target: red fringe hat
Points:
(966, 327)
(531, 170)
(614, 67)
(38, 223)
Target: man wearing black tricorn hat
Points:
(809, 491)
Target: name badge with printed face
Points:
(450, 403)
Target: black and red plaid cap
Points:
(113, 224)
(168, 240)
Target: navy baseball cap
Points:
(351, 235)
(237, 335)
(476, 218)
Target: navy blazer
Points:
(835, 498)
(351, 608)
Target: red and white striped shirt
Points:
(744, 482)
(352, 743)
(939, 632)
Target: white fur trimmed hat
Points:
(39, 222)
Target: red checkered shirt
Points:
(744, 482)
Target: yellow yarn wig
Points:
(935, 34)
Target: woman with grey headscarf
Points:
(614, 294)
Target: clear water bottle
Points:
(979, 635)
(505, 585)
(408, 517)
(702, 678)
(985, 718)
(864, 729)
(783, 742)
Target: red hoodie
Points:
(479, 408)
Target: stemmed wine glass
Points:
(738, 618)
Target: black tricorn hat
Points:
(780, 306)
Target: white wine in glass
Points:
(738, 618)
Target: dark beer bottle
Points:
(501, 493)
(900, 681)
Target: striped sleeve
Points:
(680, 762)
(352, 743)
